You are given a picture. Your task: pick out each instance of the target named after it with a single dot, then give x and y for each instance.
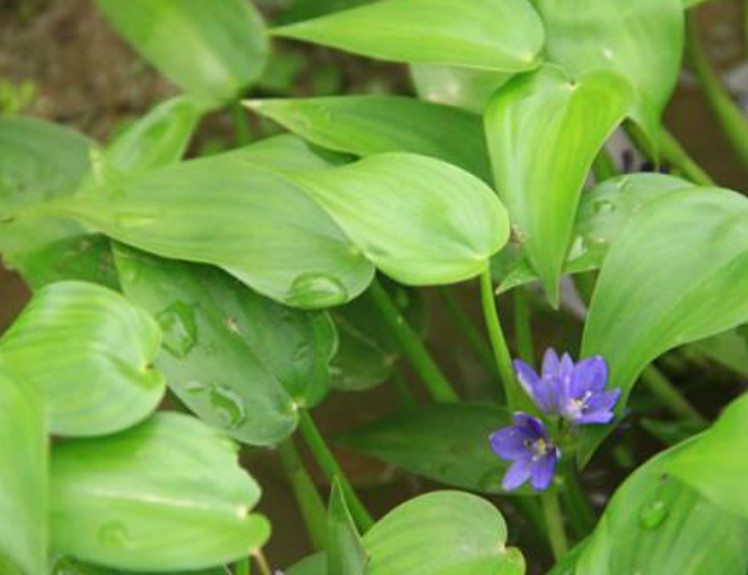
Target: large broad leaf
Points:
(249, 221)
(651, 298)
(369, 125)
(504, 35)
(640, 39)
(420, 220)
(464, 87)
(288, 153)
(444, 442)
(210, 49)
(544, 131)
(209, 355)
(714, 463)
(23, 477)
(656, 524)
(729, 349)
(70, 566)
(88, 351)
(166, 495)
(345, 550)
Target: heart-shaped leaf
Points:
(369, 125)
(544, 131)
(649, 298)
(642, 40)
(88, 351)
(23, 478)
(225, 42)
(165, 495)
(463, 87)
(443, 224)
(503, 35)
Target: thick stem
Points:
(412, 346)
(242, 567)
(313, 511)
(729, 116)
(668, 394)
(522, 326)
(554, 522)
(512, 392)
(325, 459)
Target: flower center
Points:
(579, 404)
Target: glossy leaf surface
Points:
(88, 351)
(442, 223)
(165, 495)
(207, 354)
(504, 35)
(212, 50)
(346, 554)
(70, 566)
(650, 298)
(544, 132)
(463, 87)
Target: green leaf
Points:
(444, 442)
(346, 553)
(713, 463)
(70, 566)
(642, 40)
(442, 223)
(166, 495)
(369, 125)
(288, 153)
(729, 349)
(650, 299)
(208, 354)
(257, 225)
(656, 524)
(503, 35)
(442, 533)
(23, 477)
(544, 132)
(464, 87)
(89, 352)
(212, 50)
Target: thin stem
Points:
(412, 346)
(313, 511)
(514, 396)
(554, 524)
(581, 516)
(522, 326)
(332, 469)
(262, 562)
(730, 117)
(468, 330)
(242, 131)
(659, 385)
(242, 567)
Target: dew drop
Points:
(114, 535)
(317, 290)
(603, 206)
(652, 515)
(228, 405)
(179, 328)
(195, 387)
(131, 221)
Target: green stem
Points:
(262, 562)
(522, 326)
(468, 330)
(729, 116)
(242, 567)
(313, 511)
(412, 346)
(581, 516)
(332, 469)
(554, 524)
(514, 395)
(659, 385)
(242, 130)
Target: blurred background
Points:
(59, 60)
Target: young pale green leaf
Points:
(442, 533)
(257, 225)
(70, 566)
(209, 354)
(714, 464)
(642, 40)
(89, 352)
(23, 477)
(502, 35)
(166, 495)
(463, 87)
(369, 125)
(650, 298)
(544, 131)
(288, 153)
(212, 50)
(345, 550)
(442, 224)
(656, 524)
(444, 442)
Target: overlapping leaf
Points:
(345, 552)
(463, 87)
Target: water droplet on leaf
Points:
(179, 327)
(228, 404)
(652, 515)
(603, 206)
(113, 535)
(195, 387)
(317, 290)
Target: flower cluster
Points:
(573, 392)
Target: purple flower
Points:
(527, 444)
(574, 391)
